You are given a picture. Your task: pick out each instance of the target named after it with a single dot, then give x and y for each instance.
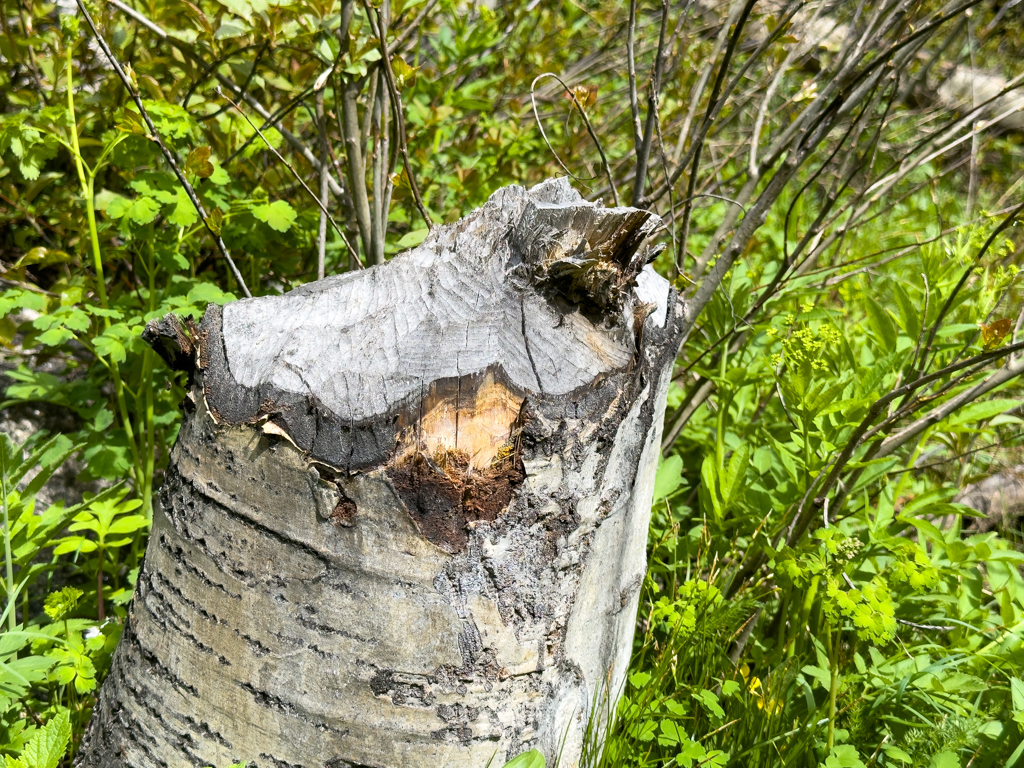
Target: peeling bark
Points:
(405, 520)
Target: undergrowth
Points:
(805, 604)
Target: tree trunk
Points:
(405, 520)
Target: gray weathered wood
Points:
(405, 520)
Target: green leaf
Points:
(278, 215)
(944, 760)
(955, 329)
(823, 677)
(49, 744)
(55, 337)
(531, 759)
(672, 734)
(208, 293)
(128, 524)
(709, 486)
(141, 210)
(412, 239)
(104, 418)
(881, 324)
(1017, 698)
(184, 213)
(107, 346)
(668, 478)
(929, 529)
(986, 410)
(895, 753)
(690, 753)
(710, 702)
(844, 756)
(220, 177)
(735, 472)
(639, 679)
(909, 319)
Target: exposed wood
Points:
(405, 520)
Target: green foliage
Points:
(531, 759)
(50, 662)
(47, 746)
(872, 623)
(828, 674)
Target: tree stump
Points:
(404, 523)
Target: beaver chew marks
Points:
(471, 414)
(385, 587)
(456, 463)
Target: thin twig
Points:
(396, 104)
(634, 103)
(586, 121)
(347, 114)
(653, 93)
(940, 627)
(712, 109)
(155, 136)
(270, 122)
(413, 26)
(244, 89)
(321, 239)
(294, 173)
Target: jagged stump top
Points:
(537, 293)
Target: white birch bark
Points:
(405, 520)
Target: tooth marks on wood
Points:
(472, 415)
(408, 404)
(597, 264)
(402, 690)
(449, 308)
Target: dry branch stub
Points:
(405, 520)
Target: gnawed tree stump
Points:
(404, 523)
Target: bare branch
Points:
(321, 240)
(653, 92)
(396, 103)
(298, 178)
(586, 121)
(933, 417)
(634, 103)
(168, 156)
